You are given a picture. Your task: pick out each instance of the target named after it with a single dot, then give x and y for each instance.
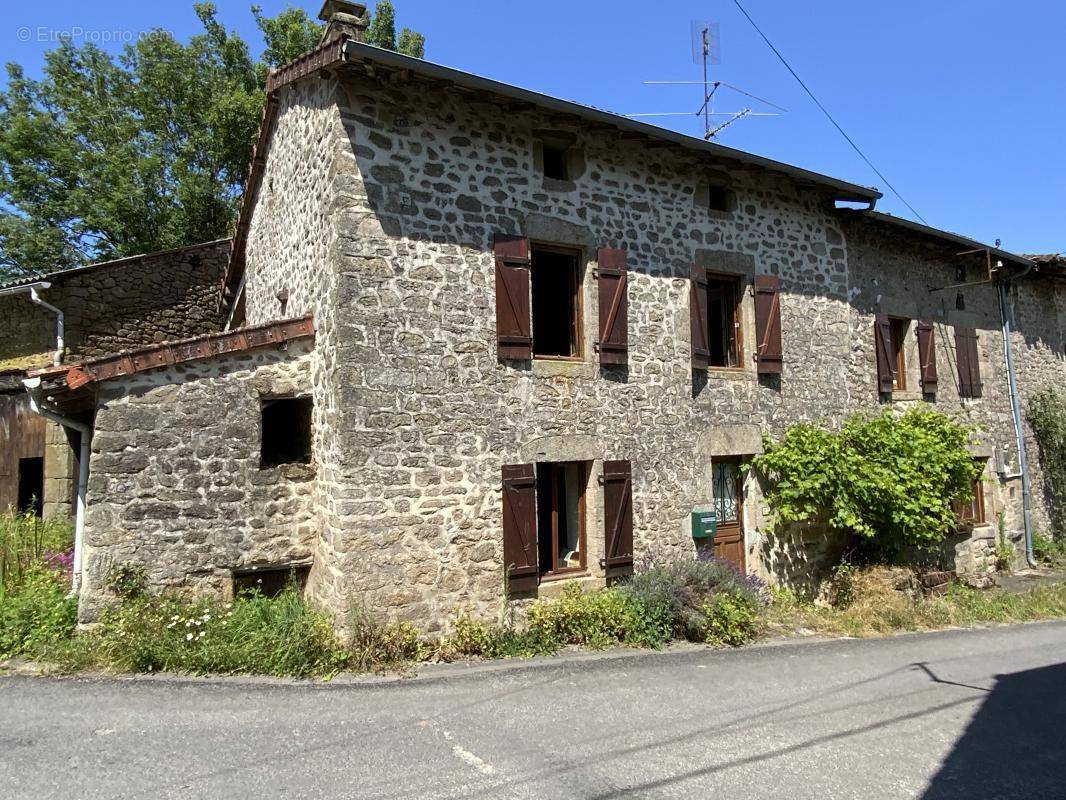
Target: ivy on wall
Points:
(1046, 415)
(889, 481)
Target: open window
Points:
(723, 320)
(556, 293)
(561, 517)
(555, 162)
(720, 198)
(286, 431)
(898, 337)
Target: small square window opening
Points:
(270, 581)
(286, 431)
(719, 198)
(556, 289)
(723, 320)
(561, 516)
(555, 162)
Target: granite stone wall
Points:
(118, 305)
(175, 477)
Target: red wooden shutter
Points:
(613, 276)
(927, 355)
(969, 364)
(886, 359)
(701, 342)
(617, 481)
(520, 526)
(768, 356)
(514, 339)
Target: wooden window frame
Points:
(976, 505)
(738, 282)
(577, 333)
(899, 328)
(554, 572)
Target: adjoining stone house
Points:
(544, 340)
(105, 307)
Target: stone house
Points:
(104, 308)
(483, 343)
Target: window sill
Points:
(902, 395)
(730, 374)
(567, 368)
(555, 577)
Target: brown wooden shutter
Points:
(520, 526)
(927, 355)
(969, 364)
(886, 359)
(514, 339)
(768, 356)
(613, 344)
(701, 342)
(617, 481)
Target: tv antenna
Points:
(706, 51)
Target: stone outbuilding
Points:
(546, 338)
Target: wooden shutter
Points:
(969, 364)
(520, 526)
(768, 354)
(514, 339)
(613, 344)
(886, 358)
(926, 355)
(617, 481)
(701, 342)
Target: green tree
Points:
(106, 156)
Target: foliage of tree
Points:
(888, 480)
(105, 155)
(1046, 415)
(382, 33)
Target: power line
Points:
(829, 116)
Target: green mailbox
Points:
(704, 522)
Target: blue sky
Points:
(960, 103)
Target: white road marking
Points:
(481, 766)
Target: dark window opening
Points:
(270, 581)
(31, 485)
(899, 369)
(723, 321)
(719, 198)
(561, 517)
(286, 431)
(555, 162)
(556, 303)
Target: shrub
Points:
(1047, 550)
(730, 618)
(473, 638)
(1005, 555)
(26, 540)
(595, 619)
(37, 617)
(128, 580)
(888, 480)
(672, 595)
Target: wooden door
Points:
(728, 495)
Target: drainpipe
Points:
(38, 406)
(1016, 409)
(57, 357)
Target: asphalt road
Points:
(962, 714)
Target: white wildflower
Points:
(188, 637)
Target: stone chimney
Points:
(344, 17)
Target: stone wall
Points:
(1038, 308)
(175, 478)
(422, 414)
(118, 305)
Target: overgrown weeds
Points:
(27, 541)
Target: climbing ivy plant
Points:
(1046, 415)
(887, 480)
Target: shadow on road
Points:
(1015, 745)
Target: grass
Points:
(26, 541)
(878, 607)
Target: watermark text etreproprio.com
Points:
(76, 33)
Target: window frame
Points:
(899, 328)
(975, 507)
(738, 282)
(577, 334)
(554, 572)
